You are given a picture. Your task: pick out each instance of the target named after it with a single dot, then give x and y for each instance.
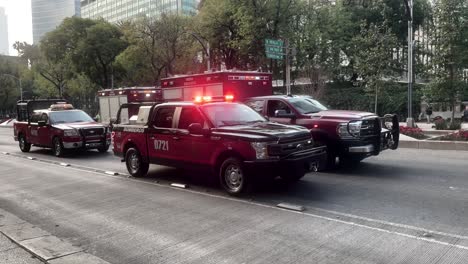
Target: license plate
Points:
(93, 144)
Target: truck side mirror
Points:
(284, 114)
(196, 129)
(41, 123)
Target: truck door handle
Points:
(152, 137)
(176, 138)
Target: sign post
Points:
(275, 49)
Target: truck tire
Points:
(233, 178)
(135, 165)
(104, 148)
(57, 147)
(23, 144)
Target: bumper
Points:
(311, 159)
(370, 146)
(86, 145)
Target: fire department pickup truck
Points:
(349, 135)
(55, 124)
(228, 139)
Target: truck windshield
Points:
(69, 117)
(231, 114)
(307, 105)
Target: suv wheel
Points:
(58, 147)
(233, 178)
(23, 144)
(135, 165)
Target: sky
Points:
(19, 21)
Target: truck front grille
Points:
(284, 149)
(92, 132)
(370, 127)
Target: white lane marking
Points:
(430, 240)
(292, 207)
(179, 185)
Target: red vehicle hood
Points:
(342, 115)
(78, 125)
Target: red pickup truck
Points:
(55, 124)
(349, 135)
(227, 139)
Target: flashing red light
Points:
(206, 98)
(315, 126)
(134, 94)
(198, 99)
(229, 97)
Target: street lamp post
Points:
(19, 81)
(206, 48)
(409, 12)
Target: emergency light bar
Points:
(207, 99)
(61, 106)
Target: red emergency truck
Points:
(239, 84)
(110, 100)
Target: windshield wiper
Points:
(232, 123)
(311, 112)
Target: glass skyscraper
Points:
(48, 14)
(4, 46)
(120, 10)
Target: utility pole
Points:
(409, 12)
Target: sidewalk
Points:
(11, 253)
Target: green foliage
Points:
(440, 124)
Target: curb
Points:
(434, 145)
(41, 244)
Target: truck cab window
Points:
(45, 117)
(256, 105)
(274, 105)
(35, 117)
(189, 115)
(164, 117)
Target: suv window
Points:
(189, 115)
(256, 105)
(164, 117)
(274, 105)
(45, 117)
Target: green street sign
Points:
(274, 49)
(274, 56)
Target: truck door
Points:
(43, 133)
(274, 105)
(195, 149)
(33, 132)
(161, 136)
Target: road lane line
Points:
(430, 240)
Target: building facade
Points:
(3, 32)
(121, 10)
(48, 14)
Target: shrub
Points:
(455, 125)
(440, 124)
(414, 132)
(461, 135)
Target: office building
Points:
(4, 46)
(121, 10)
(48, 14)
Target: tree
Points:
(450, 56)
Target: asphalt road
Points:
(402, 206)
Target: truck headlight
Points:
(261, 150)
(349, 130)
(71, 133)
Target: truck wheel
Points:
(23, 144)
(103, 149)
(233, 178)
(57, 147)
(135, 165)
